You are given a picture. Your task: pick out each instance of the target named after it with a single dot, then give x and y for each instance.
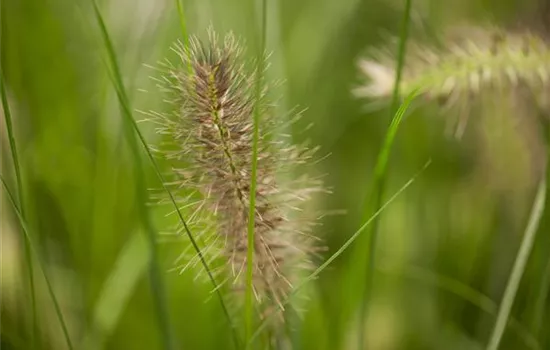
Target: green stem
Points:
(183, 25)
(249, 308)
(157, 286)
(375, 198)
(518, 268)
(529, 236)
(234, 331)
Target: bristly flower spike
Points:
(209, 138)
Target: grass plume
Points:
(210, 142)
(472, 59)
(489, 57)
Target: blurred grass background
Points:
(446, 245)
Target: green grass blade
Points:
(141, 190)
(341, 250)
(249, 307)
(183, 23)
(518, 268)
(9, 124)
(401, 54)
(381, 168)
(119, 87)
(19, 181)
(41, 264)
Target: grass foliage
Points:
(351, 221)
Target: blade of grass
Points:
(156, 282)
(341, 250)
(183, 23)
(518, 268)
(120, 90)
(249, 307)
(41, 263)
(19, 181)
(381, 169)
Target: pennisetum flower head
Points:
(474, 60)
(210, 147)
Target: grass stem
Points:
(249, 307)
(374, 199)
(157, 286)
(235, 334)
(518, 268)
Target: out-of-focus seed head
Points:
(474, 60)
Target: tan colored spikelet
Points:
(210, 147)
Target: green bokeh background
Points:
(458, 226)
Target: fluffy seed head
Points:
(210, 146)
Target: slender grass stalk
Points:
(183, 23)
(41, 263)
(235, 335)
(518, 268)
(119, 87)
(375, 197)
(18, 178)
(339, 252)
(154, 269)
(28, 258)
(249, 307)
